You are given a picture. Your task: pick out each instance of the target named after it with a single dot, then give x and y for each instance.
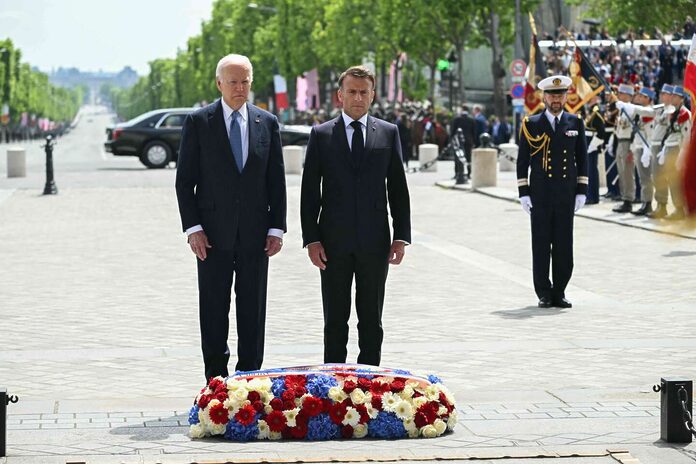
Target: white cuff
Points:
(191, 230)
(276, 233)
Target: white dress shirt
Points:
(551, 117)
(243, 122)
(349, 129)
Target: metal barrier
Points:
(676, 424)
(4, 401)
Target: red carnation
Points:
(288, 405)
(222, 388)
(258, 406)
(254, 396)
(246, 415)
(214, 383)
(288, 395)
(379, 388)
(312, 406)
(420, 419)
(204, 389)
(347, 431)
(397, 386)
(434, 406)
(349, 386)
(299, 391)
(362, 410)
(299, 431)
(286, 433)
(203, 401)
(417, 394)
(327, 405)
(426, 414)
(276, 421)
(364, 383)
(293, 381)
(219, 414)
(276, 404)
(221, 396)
(377, 402)
(338, 412)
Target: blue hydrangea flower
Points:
(434, 379)
(193, 415)
(318, 385)
(386, 425)
(238, 432)
(278, 386)
(322, 428)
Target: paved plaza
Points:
(100, 341)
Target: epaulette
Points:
(595, 109)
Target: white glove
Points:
(526, 203)
(580, 200)
(661, 157)
(645, 158)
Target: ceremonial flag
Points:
(535, 72)
(586, 82)
(689, 171)
(281, 92)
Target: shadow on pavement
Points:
(528, 312)
(679, 254)
(154, 429)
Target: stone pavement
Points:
(98, 316)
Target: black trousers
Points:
(370, 271)
(552, 244)
(249, 272)
(593, 176)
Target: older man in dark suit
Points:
(230, 184)
(352, 172)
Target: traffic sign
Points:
(518, 67)
(518, 102)
(517, 91)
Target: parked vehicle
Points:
(154, 136)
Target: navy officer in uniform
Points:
(552, 181)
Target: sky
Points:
(95, 35)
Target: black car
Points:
(154, 136)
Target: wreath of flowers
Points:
(322, 403)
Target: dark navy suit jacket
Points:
(212, 192)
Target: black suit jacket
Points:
(557, 174)
(468, 126)
(344, 202)
(212, 192)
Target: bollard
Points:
(50, 187)
(4, 401)
(16, 162)
(292, 157)
(427, 156)
(508, 160)
(484, 168)
(672, 426)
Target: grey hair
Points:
(234, 59)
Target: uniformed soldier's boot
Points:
(645, 209)
(624, 207)
(660, 212)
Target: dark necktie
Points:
(357, 145)
(236, 141)
(555, 123)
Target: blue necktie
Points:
(236, 141)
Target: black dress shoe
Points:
(659, 212)
(545, 302)
(562, 303)
(645, 209)
(624, 207)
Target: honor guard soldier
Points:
(643, 115)
(678, 132)
(596, 136)
(552, 181)
(624, 160)
(660, 126)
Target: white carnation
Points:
(197, 431)
(217, 429)
(406, 393)
(418, 402)
(357, 396)
(432, 392)
(352, 417)
(452, 421)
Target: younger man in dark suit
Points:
(352, 171)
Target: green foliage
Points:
(26, 90)
(291, 37)
(623, 15)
